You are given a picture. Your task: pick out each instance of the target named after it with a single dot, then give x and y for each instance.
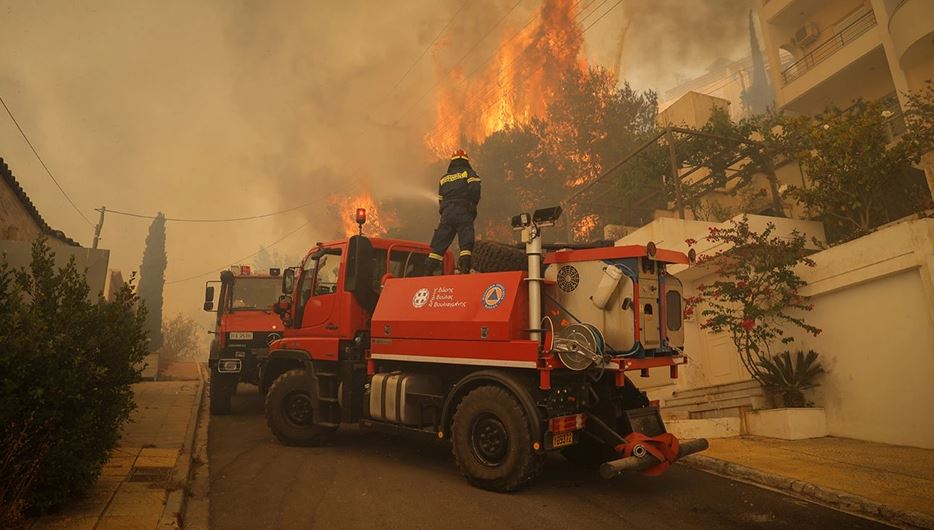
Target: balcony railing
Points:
(830, 47)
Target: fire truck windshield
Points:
(255, 293)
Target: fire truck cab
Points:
(244, 327)
(506, 365)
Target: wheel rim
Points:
(298, 409)
(489, 440)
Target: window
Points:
(673, 310)
(255, 293)
(328, 271)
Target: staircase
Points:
(718, 401)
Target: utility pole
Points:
(100, 225)
(675, 174)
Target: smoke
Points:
(228, 108)
(669, 41)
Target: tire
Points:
(492, 442)
(220, 393)
(491, 256)
(289, 413)
(590, 452)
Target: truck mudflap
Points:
(650, 455)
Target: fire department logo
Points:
(494, 296)
(421, 297)
(272, 337)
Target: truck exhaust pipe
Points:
(642, 459)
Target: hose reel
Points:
(579, 346)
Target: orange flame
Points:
(377, 223)
(585, 226)
(517, 85)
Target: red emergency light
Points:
(360, 216)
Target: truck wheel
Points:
(219, 394)
(289, 412)
(492, 256)
(492, 442)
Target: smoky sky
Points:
(227, 108)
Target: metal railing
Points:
(829, 47)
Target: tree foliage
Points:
(152, 279)
(859, 176)
(590, 124)
(66, 365)
(181, 338)
(755, 296)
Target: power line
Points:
(44, 166)
(425, 51)
(186, 220)
(262, 247)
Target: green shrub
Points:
(66, 365)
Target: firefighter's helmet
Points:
(459, 154)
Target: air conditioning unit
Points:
(806, 35)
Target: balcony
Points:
(911, 25)
(828, 48)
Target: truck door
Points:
(318, 292)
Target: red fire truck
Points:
(245, 326)
(506, 365)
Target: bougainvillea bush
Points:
(755, 298)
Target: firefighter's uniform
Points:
(458, 194)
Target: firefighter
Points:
(458, 196)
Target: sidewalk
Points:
(138, 480)
(894, 484)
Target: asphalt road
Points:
(373, 480)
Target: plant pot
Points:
(787, 423)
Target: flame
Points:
(585, 226)
(516, 86)
(377, 222)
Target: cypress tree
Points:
(758, 96)
(152, 280)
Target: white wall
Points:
(874, 300)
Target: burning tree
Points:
(588, 124)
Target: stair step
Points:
(714, 397)
(747, 401)
(716, 389)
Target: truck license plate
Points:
(561, 439)
(241, 335)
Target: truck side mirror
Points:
(288, 280)
(360, 270)
(283, 307)
(209, 298)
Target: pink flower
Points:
(748, 324)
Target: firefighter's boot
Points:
(463, 264)
(431, 266)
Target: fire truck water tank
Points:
(389, 399)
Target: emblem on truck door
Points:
(420, 298)
(493, 296)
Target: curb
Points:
(176, 499)
(836, 499)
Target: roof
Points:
(44, 227)
(607, 253)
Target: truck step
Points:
(325, 374)
(326, 399)
(327, 424)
